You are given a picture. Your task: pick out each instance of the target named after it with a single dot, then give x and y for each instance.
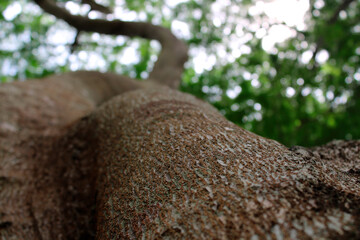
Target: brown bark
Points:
(157, 163)
(96, 155)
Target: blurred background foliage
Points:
(285, 69)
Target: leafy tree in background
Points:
(278, 94)
(324, 101)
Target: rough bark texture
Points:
(186, 172)
(87, 155)
(155, 163)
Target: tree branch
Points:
(97, 7)
(332, 20)
(170, 64)
(344, 5)
(75, 44)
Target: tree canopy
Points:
(295, 81)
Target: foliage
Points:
(303, 91)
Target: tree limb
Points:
(344, 5)
(332, 20)
(170, 64)
(97, 7)
(75, 44)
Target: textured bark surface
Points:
(156, 163)
(89, 155)
(172, 167)
(38, 164)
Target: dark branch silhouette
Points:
(343, 6)
(97, 7)
(170, 64)
(332, 20)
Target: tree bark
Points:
(87, 155)
(156, 163)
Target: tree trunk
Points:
(87, 155)
(156, 163)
